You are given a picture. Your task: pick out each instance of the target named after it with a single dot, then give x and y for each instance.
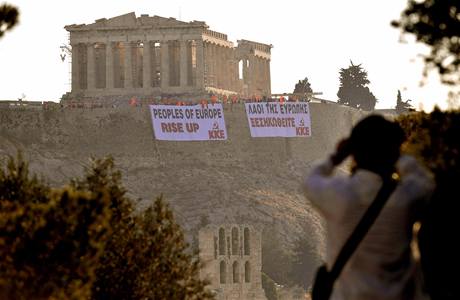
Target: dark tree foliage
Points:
(145, 256)
(293, 268)
(276, 262)
(303, 87)
(436, 24)
(434, 139)
(204, 221)
(112, 271)
(9, 17)
(85, 242)
(402, 106)
(305, 262)
(269, 287)
(50, 239)
(353, 89)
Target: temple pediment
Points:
(120, 21)
(158, 21)
(130, 20)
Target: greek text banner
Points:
(188, 123)
(275, 119)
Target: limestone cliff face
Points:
(255, 180)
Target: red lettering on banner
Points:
(216, 134)
(172, 127)
(192, 127)
(302, 131)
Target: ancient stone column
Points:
(128, 66)
(222, 64)
(252, 76)
(183, 63)
(233, 71)
(147, 66)
(268, 76)
(199, 64)
(258, 74)
(164, 65)
(226, 68)
(217, 64)
(262, 76)
(246, 76)
(214, 65)
(207, 63)
(109, 83)
(91, 67)
(75, 67)
(222, 59)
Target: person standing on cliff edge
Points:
(382, 267)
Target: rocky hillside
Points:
(243, 179)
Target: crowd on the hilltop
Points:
(136, 102)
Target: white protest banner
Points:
(188, 123)
(275, 119)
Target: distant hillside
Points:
(243, 179)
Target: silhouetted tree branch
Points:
(436, 24)
(9, 17)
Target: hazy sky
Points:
(311, 39)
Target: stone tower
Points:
(232, 259)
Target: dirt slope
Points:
(242, 179)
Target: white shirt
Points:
(382, 266)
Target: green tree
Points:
(50, 239)
(276, 262)
(204, 221)
(145, 256)
(402, 106)
(353, 89)
(436, 24)
(85, 241)
(9, 17)
(269, 287)
(303, 87)
(305, 262)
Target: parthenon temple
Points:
(155, 56)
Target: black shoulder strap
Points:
(363, 226)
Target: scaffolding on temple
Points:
(66, 54)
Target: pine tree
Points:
(303, 87)
(402, 106)
(353, 89)
(146, 254)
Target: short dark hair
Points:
(375, 143)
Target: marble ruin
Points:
(152, 56)
(232, 259)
